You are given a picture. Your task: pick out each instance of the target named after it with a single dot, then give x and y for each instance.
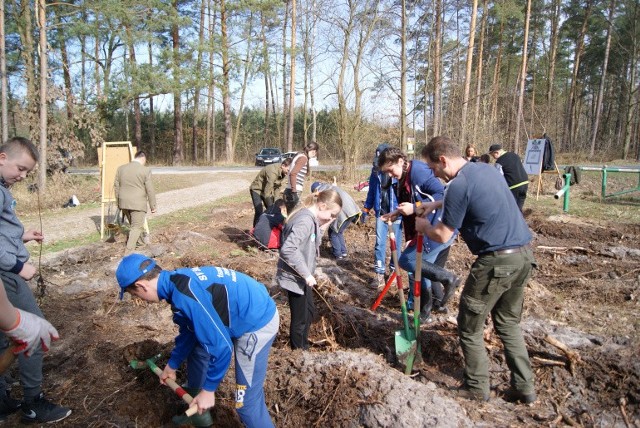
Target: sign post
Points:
(111, 155)
(533, 160)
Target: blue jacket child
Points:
(382, 200)
(218, 311)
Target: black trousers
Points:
(303, 312)
(291, 199)
(436, 287)
(257, 206)
(520, 193)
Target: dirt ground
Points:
(584, 295)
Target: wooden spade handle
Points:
(7, 358)
(176, 388)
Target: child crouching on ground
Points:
(218, 311)
(301, 239)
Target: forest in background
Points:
(246, 74)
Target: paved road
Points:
(76, 223)
(199, 169)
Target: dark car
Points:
(268, 156)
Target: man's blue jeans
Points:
(408, 262)
(380, 251)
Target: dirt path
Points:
(77, 223)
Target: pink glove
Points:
(30, 331)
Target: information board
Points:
(533, 156)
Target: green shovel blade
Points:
(405, 348)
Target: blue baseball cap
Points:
(315, 186)
(129, 270)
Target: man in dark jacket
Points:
(514, 172)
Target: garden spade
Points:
(405, 339)
(7, 358)
(416, 356)
(180, 392)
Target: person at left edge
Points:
(219, 313)
(19, 156)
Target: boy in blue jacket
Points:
(416, 185)
(218, 311)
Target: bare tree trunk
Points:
(42, 24)
(137, 118)
(152, 113)
(403, 76)
(83, 58)
(633, 105)
(467, 76)
(96, 64)
(247, 65)
(523, 75)
(266, 66)
(307, 71)
(66, 76)
(555, 19)
(292, 78)
(569, 117)
(531, 60)
(285, 105)
(226, 96)
(495, 90)
(211, 109)
(596, 120)
(3, 78)
(178, 138)
(196, 95)
(437, 69)
(314, 113)
(25, 29)
(479, 66)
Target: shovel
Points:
(7, 358)
(405, 339)
(180, 392)
(392, 277)
(416, 305)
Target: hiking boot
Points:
(450, 286)
(515, 396)
(42, 410)
(203, 420)
(378, 281)
(440, 310)
(8, 406)
(473, 394)
(425, 318)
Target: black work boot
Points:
(425, 310)
(449, 280)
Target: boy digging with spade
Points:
(218, 311)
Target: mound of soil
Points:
(580, 323)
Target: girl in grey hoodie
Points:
(301, 238)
